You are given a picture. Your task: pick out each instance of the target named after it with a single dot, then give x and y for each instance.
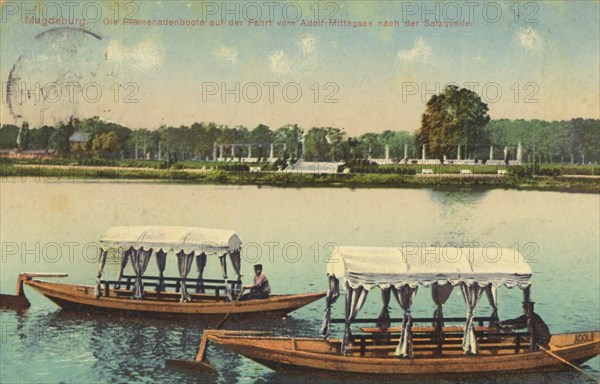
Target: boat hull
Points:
(82, 298)
(320, 356)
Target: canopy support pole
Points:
(101, 264)
(383, 321)
(223, 260)
(526, 300)
(201, 264)
(347, 316)
(332, 295)
(124, 259)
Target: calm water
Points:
(53, 227)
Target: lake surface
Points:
(55, 226)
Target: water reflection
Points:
(453, 198)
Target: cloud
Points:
(280, 63)
(302, 58)
(145, 55)
(421, 52)
(228, 54)
(308, 44)
(530, 39)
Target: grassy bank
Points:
(516, 180)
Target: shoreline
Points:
(65, 173)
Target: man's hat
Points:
(258, 266)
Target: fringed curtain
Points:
(139, 260)
(355, 298)
(333, 293)
(383, 321)
(440, 294)
(200, 264)
(236, 263)
(184, 263)
(471, 294)
(492, 294)
(101, 264)
(404, 295)
(124, 260)
(223, 261)
(161, 262)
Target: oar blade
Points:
(190, 365)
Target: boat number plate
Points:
(584, 338)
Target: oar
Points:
(200, 363)
(568, 363)
(220, 325)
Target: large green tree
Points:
(457, 116)
(105, 144)
(316, 146)
(289, 136)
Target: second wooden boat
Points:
(179, 296)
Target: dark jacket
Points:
(541, 333)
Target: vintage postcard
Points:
(299, 191)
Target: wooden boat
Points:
(420, 347)
(127, 294)
(302, 354)
(82, 297)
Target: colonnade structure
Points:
(459, 158)
(232, 151)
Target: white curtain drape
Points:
(355, 298)
(223, 261)
(184, 263)
(124, 260)
(440, 294)
(471, 294)
(161, 263)
(383, 321)
(404, 295)
(139, 260)
(492, 295)
(200, 264)
(101, 264)
(333, 293)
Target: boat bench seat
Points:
(420, 329)
(151, 282)
(452, 341)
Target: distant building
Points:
(79, 142)
(79, 137)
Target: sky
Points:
(239, 66)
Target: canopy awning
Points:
(384, 267)
(187, 239)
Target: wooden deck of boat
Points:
(81, 297)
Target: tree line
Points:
(454, 121)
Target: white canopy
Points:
(188, 239)
(384, 267)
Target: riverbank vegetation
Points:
(574, 179)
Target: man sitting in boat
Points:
(539, 329)
(261, 288)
